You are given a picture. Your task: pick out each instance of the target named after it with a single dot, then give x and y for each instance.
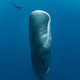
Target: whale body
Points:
(40, 42)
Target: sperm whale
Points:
(40, 42)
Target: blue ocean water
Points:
(15, 62)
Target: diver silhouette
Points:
(16, 6)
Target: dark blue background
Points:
(15, 63)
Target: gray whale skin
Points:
(40, 42)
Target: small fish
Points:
(16, 6)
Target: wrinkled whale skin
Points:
(40, 42)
